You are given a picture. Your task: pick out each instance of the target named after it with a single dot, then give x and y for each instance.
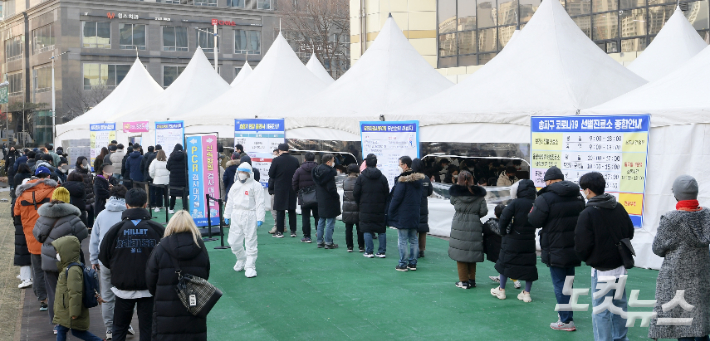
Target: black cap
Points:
(283, 147)
(554, 173)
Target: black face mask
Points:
(511, 178)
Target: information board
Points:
(260, 137)
(100, 136)
(615, 146)
(169, 133)
(390, 140)
(135, 127)
(203, 173)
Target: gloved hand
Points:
(226, 221)
(259, 223)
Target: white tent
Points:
(279, 81)
(679, 141)
(136, 89)
(243, 74)
(317, 68)
(675, 44)
(389, 75)
(550, 68)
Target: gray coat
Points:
(56, 221)
(466, 243)
(682, 239)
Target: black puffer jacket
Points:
(491, 240)
(556, 210)
(517, 255)
(405, 201)
(350, 209)
(177, 165)
(88, 185)
(326, 191)
(102, 193)
(303, 178)
(22, 254)
(171, 321)
(77, 193)
(370, 192)
(427, 190)
(597, 227)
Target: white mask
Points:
(242, 177)
(59, 258)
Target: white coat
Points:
(159, 172)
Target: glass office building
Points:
(472, 32)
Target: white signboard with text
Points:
(169, 133)
(390, 140)
(260, 137)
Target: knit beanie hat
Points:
(685, 187)
(61, 194)
(554, 173)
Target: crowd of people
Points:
(137, 258)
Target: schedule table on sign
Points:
(615, 146)
(390, 141)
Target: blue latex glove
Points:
(259, 223)
(226, 221)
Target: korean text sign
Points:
(135, 127)
(615, 146)
(260, 137)
(169, 133)
(101, 135)
(203, 175)
(390, 141)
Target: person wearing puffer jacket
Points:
(230, 173)
(403, 213)
(161, 176)
(303, 179)
(350, 210)
(466, 243)
(245, 212)
(56, 219)
(133, 165)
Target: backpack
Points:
(90, 293)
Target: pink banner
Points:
(135, 127)
(211, 171)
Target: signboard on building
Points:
(100, 136)
(203, 176)
(615, 146)
(169, 133)
(135, 127)
(390, 140)
(260, 137)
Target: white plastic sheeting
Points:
(389, 75)
(136, 89)
(550, 68)
(243, 74)
(317, 68)
(675, 44)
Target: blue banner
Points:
(102, 126)
(195, 180)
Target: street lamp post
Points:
(54, 108)
(215, 45)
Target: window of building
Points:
(579, 7)
(42, 79)
(15, 87)
(205, 40)
(447, 16)
(96, 34)
(633, 23)
(103, 75)
(527, 9)
(264, 4)
(486, 12)
(235, 3)
(252, 4)
(132, 36)
(174, 38)
(212, 3)
(236, 71)
(247, 42)
(13, 48)
(599, 6)
(466, 15)
(43, 39)
(697, 14)
(447, 45)
(171, 73)
(507, 12)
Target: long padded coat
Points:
(283, 167)
(177, 165)
(171, 321)
(371, 191)
(326, 191)
(466, 243)
(350, 209)
(517, 255)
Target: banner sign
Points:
(135, 127)
(615, 146)
(169, 133)
(390, 140)
(260, 137)
(101, 135)
(203, 175)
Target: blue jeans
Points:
(558, 281)
(408, 236)
(80, 334)
(329, 225)
(370, 245)
(608, 326)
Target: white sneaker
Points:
(171, 211)
(250, 273)
(109, 334)
(524, 296)
(498, 293)
(130, 330)
(239, 266)
(568, 327)
(25, 284)
(495, 278)
(517, 284)
(157, 209)
(18, 277)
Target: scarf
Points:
(688, 206)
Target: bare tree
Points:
(78, 100)
(320, 25)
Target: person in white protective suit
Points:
(245, 212)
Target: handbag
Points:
(308, 195)
(197, 294)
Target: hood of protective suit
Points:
(245, 167)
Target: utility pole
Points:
(54, 108)
(216, 68)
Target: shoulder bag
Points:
(196, 293)
(308, 195)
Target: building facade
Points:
(459, 36)
(100, 39)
